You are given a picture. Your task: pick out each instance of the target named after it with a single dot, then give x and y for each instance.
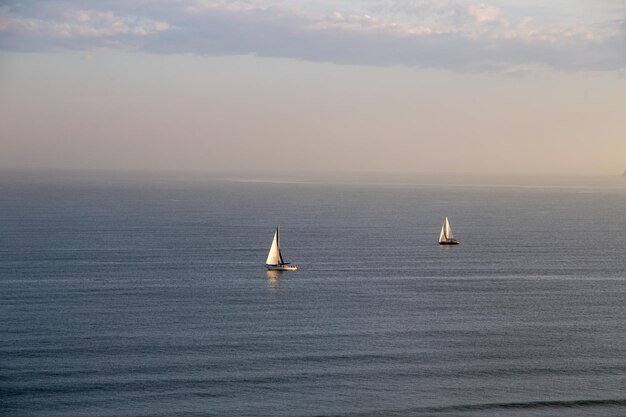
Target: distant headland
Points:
(624, 174)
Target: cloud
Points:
(426, 33)
(72, 29)
(482, 13)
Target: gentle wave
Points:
(489, 407)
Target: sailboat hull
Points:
(449, 242)
(282, 267)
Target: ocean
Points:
(148, 296)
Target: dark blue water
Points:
(145, 297)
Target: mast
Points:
(280, 255)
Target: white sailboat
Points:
(445, 236)
(274, 261)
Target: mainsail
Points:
(275, 257)
(448, 230)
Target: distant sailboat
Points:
(446, 237)
(275, 260)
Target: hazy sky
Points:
(502, 86)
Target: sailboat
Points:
(274, 260)
(445, 237)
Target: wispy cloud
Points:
(426, 33)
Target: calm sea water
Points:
(144, 297)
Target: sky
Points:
(422, 86)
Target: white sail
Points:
(274, 257)
(448, 230)
(442, 234)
